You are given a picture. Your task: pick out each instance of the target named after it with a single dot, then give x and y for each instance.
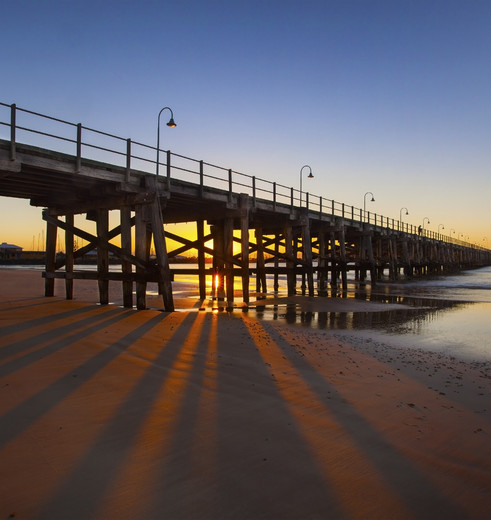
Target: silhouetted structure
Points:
(316, 244)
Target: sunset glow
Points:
(389, 98)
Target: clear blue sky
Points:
(391, 97)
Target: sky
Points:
(390, 97)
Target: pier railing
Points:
(28, 127)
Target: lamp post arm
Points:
(171, 123)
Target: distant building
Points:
(9, 251)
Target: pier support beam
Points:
(260, 265)
(344, 261)
(244, 244)
(276, 284)
(334, 266)
(103, 255)
(322, 264)
(218, 286)
(51, 231)
(142, 250)
(200, 229)
(290, 265)
(126, 267)
(163, 268)
(228, 248)
(307, 252)
(69, 219)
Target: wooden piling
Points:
(260, 265)
(343, 258)
(102, 224)
(201, 258)
(277, 242)
(141, 254)
(51, 232)
(244, 244)
(163, 268)
(126, 266)
(322, 263)
(228, 248)
(69, 219)
(290, 266)
(307, 251)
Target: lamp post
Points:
(443, 227)
(452, 231)
(365, 202)
(310, 176)
(171, 123)
(400, 214)
(426, 218)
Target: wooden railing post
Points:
(128, 159)
(13, 126)
(168, 170)
(201, 179)
(79, 147)
(230, 184)
(253, 191)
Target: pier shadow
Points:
(198, 425)
(19, 418)
(96, 472)
(396, 469)
(230, 456)
(54, 336)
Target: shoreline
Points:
(107, 412)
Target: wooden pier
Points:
(314, 242)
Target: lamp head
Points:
(310, 175)
(171, 123)
(373, 200)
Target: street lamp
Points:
(426, 218)
(452, 231)
(365, 201)
(400, 214)
(443, 227)
(171, 123)
(310, 176)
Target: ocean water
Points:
(456, 315)
(448, 314)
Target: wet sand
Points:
(113, 413)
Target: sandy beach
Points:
(110, 413)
